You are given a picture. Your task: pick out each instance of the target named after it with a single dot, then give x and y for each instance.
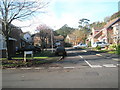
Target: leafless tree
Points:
(44, 32)
(11, 10)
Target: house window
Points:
(103, 40)
(23, 44)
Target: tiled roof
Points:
(58, 37)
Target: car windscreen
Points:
(99, 42)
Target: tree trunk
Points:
(46, 43)
(6, 34)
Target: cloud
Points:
(60, 12)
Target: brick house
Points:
(109, 33)
(37, 40)
(16, 34)
(113, 28)
(14, 41)
(72, 39)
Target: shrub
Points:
(118, 49)
(98, 48)
(112, 47)
(68, 44)
(89, 44)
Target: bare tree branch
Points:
(11, 10)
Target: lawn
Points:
(38, 59)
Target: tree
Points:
(84, 27)
(84, 23)
(45, 34)
(11, 10)
(98, 24)
(79, 35)
(64, 30)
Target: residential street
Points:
(80, 69)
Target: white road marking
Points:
(54, 67)
(109, 65)
(98, 54)
(88, 63)
(71, 57)
(39, 68)
(115, 59)
(68, 67)
(80, 56)
(96, 66)
(118, 64)
(25, 68)
(84, 50)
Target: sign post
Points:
(27, 52)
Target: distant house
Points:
(109, 33)
(59, 40)
(38, 42)
(94, 36)
(72, 39)
(27, 36)
(36, 39)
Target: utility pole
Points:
(52, 39)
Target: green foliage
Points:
(112, 47)
(43, 54)
(106, 19)
(68, 44)
(29, 63)
(89, 44)
(98, 48)
(98, 24)
(115, 15)
(64, 30)
(112, 52)
(118, 49)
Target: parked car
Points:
(60, 51)
(81, 45)
(101, 44)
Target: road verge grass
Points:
(38, 59)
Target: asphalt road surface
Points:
(80, 69)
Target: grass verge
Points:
(38, 59)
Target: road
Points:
(80, 69)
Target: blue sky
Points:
(60, 12)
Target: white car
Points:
(101, 44)
(81, 45)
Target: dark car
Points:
(60, 51)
